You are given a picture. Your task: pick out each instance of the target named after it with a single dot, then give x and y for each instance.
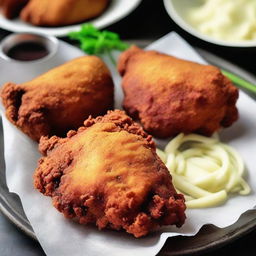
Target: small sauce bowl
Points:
(28, 47)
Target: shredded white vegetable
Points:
(204, 169)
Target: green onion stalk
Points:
(96, 42)
(240, 82)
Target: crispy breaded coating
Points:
(60, 99)
(169, 95)
(12, 8)
(108, 174)
(62, 12)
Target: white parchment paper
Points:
(59, 236)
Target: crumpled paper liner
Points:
(59, 236)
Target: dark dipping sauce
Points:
(28, 51)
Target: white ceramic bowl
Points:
(177, 9)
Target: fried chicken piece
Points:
(12, 8)
(60, 99)
(108, 174)
(175, 95)
(62, 12)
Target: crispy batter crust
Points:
(175, 95)
(107, 173)
(60, 99)
(61, 12)
(12, 8)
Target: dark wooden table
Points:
(148, 22)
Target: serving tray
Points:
(209, 237)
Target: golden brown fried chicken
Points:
(62, 12)
(175, 95)
(60, 99)
(108, 174)
(12, 8)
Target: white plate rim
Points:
(109, 17)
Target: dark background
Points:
(148, 22)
